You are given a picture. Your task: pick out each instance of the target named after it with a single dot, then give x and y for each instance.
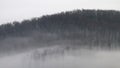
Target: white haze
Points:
(71, 58)
(44, 50)
(17, 10)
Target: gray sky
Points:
(11, 10)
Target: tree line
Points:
(80, 19)
(78, 27)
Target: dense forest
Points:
(79, 27)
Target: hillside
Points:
(92, 28)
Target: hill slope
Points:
(79, 27)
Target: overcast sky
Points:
(11, 10)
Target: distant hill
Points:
(66, 21)
(77, 27)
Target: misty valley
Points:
(72, 39)
(56, 57)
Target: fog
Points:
(46, 50)
(52, 50)
(12, 10)
(75, 39)
(63, 57)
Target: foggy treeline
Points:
(92, 28)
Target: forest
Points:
(94, 28)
